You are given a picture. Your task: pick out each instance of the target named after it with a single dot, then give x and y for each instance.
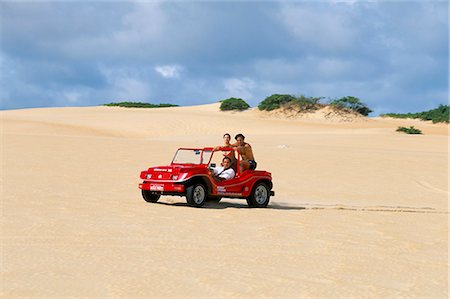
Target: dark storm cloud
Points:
(393, 55)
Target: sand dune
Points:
(360, 210)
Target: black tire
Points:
(196, 195)
(150, 196)
(260, 196)
(213, 199)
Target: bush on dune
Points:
(233, 104)
(410, 130)
(351, 103)
(302, 103)
(275, 101)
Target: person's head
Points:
(226, 162)
(240, 139)
(226, 138)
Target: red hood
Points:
(175, 168)
(166, 172)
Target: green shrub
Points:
(234, 104)
(352, 103)
(440, 114)
(275, 101)
(306, 103)
(410, 130)
(140, 105)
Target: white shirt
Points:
(225, 174)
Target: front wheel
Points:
(150, 196)
(196, 195)
(260, 196)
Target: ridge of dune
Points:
(147, 122)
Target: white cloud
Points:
(241, 88)
(313, 68)
(72, 96)
(324, 29)
(169, 71)
(349, 2)
(127, 84)
(144, 25)
(134, 89)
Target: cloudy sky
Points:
(393, 55)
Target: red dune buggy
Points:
(189, 175)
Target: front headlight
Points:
(149, 176)
(177, 177)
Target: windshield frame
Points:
(201, 161)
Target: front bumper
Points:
(163, 187)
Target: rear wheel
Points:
(196, 195)
(260, 196)
(150, 196)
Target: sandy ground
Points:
(360, 210)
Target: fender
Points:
(201, 178)
(266, 181)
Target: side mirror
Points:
(212, 165)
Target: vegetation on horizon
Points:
(410, 130)
(233, 104)
(140, 105)
(440, 114)
(306, 104)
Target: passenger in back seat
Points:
(230, 154)
(245, 149)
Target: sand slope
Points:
(359, 211)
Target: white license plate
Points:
(158, 187)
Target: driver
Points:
(225, 172)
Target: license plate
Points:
(158, 187)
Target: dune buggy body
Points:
(189, 175)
